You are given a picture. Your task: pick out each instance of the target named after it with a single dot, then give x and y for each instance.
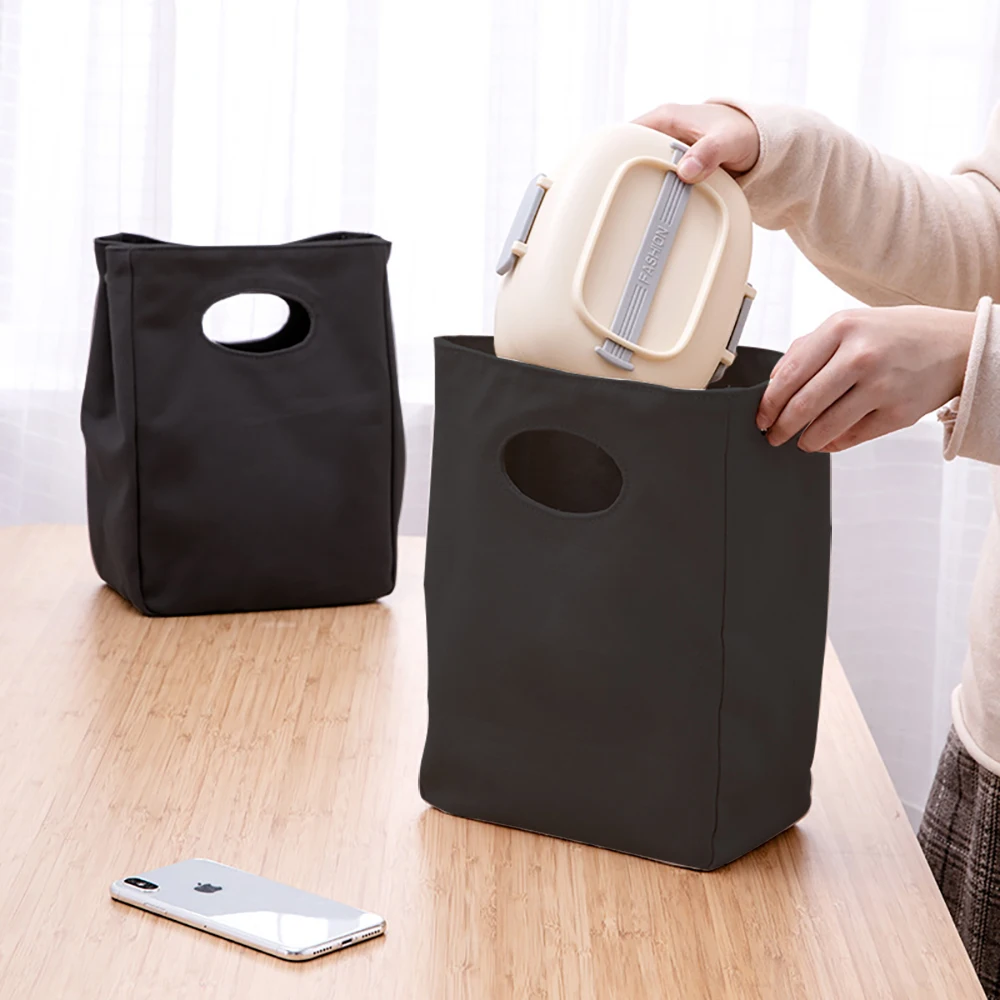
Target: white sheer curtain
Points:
(248, 120)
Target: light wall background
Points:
(222, 121)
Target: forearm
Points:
(887, 232)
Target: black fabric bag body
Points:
(626, 595)
(242, 477)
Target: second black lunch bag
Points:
(243, 476)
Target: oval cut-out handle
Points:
(256, 322)
(562, 471)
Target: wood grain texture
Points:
(288, 744)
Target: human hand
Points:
(719, 136)
(864, 373)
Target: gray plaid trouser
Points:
(960, 836)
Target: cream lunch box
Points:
(616, 267)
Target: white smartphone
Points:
(271, 917)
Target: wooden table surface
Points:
(288, 744)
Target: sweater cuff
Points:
(972, 420)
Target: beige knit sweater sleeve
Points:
(890, 233)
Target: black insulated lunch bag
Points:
(248, 476)
(626, 593)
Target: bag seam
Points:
(162, 246)
(393, 442)
(722, 636)
(140, 589)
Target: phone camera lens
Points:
(141, 883)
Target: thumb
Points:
(701, 160)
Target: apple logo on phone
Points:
(207, 887)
